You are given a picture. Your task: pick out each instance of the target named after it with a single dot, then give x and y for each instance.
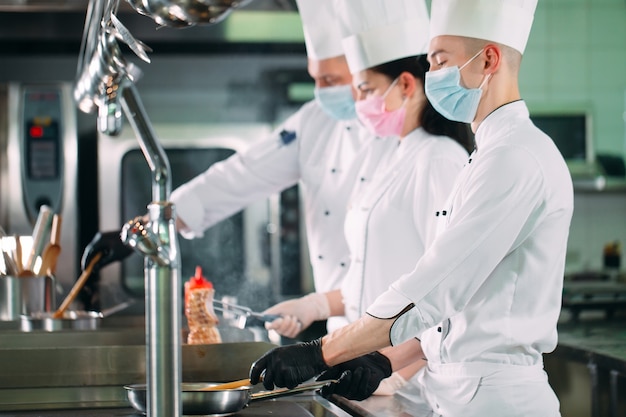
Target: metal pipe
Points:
(614, 393)
(151, 148)
(595, 388)
(104, 79)
(162, 279)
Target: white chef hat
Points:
(321, 32)
(379, 31)
(503, 21)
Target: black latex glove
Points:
(288, 366)
(357, 378)
(110, 245)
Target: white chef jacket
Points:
(330, 158)
(486, 295)
(390, 223)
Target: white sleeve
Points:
(433, 187)
(499, 198)
(227, 187)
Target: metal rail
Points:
(105, 82)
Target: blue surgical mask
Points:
(337, 101)
(447, 95)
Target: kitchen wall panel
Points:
(576, 58)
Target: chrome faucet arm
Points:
(105, 81)
(151, 148)
(157, 240)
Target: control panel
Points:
(42, 149)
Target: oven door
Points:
(234, 254)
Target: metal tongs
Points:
(243, 312)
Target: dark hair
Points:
(430, 120)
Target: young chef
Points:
(482, 303)
(389, 224)
(322, 145)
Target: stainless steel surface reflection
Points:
(25, 295)
(88, 369)
(297, 406)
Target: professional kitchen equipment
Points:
(183, 13)
(26, 295)
(39, 164)
(105, 82)
(69, 369)
(69, 320)
(197, 400)
(600, 295)
(242, 313)
(230, 252)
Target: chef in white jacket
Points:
(482, 303)
(322, 147)
(391, 223)
(317, 146)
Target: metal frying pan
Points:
(197, 401)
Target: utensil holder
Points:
(25, 296)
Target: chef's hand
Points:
(110, 245)
(288, 366)
(357, 378)
(298, 314)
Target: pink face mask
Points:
(372, 114)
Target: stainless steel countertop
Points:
(383, 406)
(302, 405)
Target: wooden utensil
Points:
(78, 285)
(40, 233)
(228, 385)
(53, 249)
(19, 262)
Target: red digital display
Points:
(36, 131)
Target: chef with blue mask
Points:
(482, 304)
(389, 225)
(322, 147)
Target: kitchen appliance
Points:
(241, 255)
(39, 129)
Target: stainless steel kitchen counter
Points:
(600, 346)
(302, 405)
(599, 341)
(383, 406)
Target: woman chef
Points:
(390, 223)
(322, 146)
(483, 302)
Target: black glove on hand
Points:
(357, 378)
(288, 366)
(110, 245)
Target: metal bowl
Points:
(196, 402)
(182, 13)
